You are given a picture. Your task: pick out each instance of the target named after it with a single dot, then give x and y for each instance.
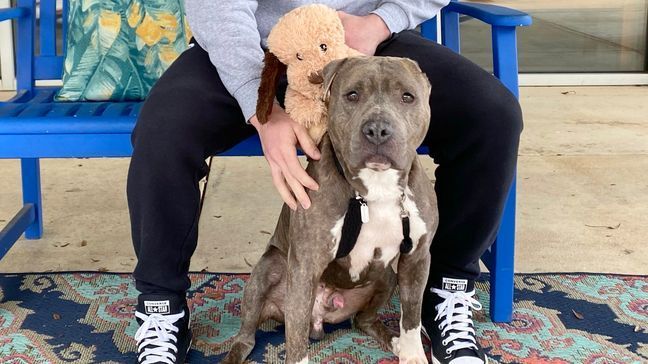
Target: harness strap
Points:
(354, 219)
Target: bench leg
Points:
(505, 67)
(31, 187)
(501, 264)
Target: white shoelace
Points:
(455, 310)
(159, 332)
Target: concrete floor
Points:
(583, 196)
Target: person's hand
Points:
(279, 139)
(364, 33)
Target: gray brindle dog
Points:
(379, 114)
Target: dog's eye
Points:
(323, 47)
(299, 57)
(407, 98)
(353, 96)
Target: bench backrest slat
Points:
(48, 27)
(25, 48)
(48, 60)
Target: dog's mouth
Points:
(378, 162)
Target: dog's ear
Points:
(413, 66)
(410, 64)
(273, 69)
(329, 73)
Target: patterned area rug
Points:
(86, 318)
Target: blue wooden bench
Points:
(32, 126)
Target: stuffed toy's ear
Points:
(272, 71)
(329, 74)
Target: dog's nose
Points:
(377, 131)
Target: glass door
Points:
(574, 36)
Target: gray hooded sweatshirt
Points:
(234, 32)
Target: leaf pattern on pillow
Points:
(117, 49)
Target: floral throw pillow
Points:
(117, 49)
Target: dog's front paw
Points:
(395, 346)
(408, 352)
(409, 347)
(412, 358)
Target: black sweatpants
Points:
(189, 115)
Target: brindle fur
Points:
(301, 253)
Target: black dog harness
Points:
(357, 214)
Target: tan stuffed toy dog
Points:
(302, 42)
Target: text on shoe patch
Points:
(452, 284)
(160, 307)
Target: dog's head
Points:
(379, 111)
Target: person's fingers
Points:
(280, 184)
(290, 164)
(298, 190)
(306, 142)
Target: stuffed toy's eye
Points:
(299, 57)
(323, 47)
(353, 96)
(407, 98)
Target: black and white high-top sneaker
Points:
(164, 335)
(447, 320)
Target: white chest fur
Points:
(384, 230)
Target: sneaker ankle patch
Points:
(454, 285)
(159, 307)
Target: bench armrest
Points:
(13, 13)
(491, 14)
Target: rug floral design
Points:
(87, 318)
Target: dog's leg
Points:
(303, 275)
(413, 270)
(267, 273)
(367, 319)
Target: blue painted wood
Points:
(68, 125)
(33, 111)
(135, 109)
(450, 30)
(48, 67)
(115, 110)
(502, 257)
(505, 66)
(15, 228)
(505, 62)
(47, 28)
(65, 145)
(60, 111)
(44, 94)
(25, 47)
(490, 14)
(12, 13)
(429, 29)
(31, 187)
(64, 26)
(11, 110)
